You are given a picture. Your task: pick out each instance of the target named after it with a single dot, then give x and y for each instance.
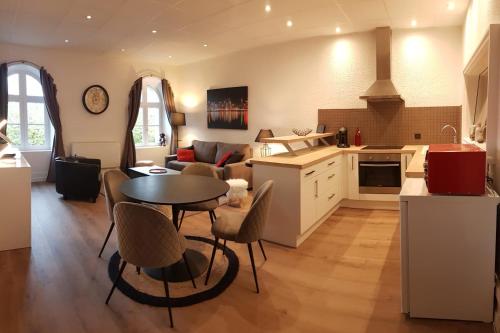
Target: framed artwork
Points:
(95, 99)
(228, 108)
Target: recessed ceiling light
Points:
(123, 50)
(154, 31)
(205, 45)
(170, 56)
(337, 29)
(413, 23)
(267, 8)
(289, 23)
(88, 17)
(451, 5)
(66, 40)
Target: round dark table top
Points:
(174, 189)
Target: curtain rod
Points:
(23, 62)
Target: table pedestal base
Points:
(198, 264)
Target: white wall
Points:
(73, 72)
(288, 82)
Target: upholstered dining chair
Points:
(112, 181)
(200, 169)
(247, 228)
(147, 238)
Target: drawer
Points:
(327, 201)
(320, 167)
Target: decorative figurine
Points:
(163, 140)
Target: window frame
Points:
(145, 105)
(24, 70)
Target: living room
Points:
(119, 110)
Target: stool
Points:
(237, 191)
(144, 163)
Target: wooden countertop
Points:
(306, 157)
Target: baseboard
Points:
(370, 204)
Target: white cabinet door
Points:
(308, 198)
(352, 177)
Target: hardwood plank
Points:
(344, 278)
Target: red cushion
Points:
(185, 155)
(223, 159)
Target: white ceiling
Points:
(185, 25)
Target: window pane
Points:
(152, 95)
(13, 84)
(14, 133)
(36, 113)
(36, 135)
(140, 118)
(153, 116)
(13, 115)
(137, 133)
(33, 87)
(153, 134)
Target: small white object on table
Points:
(237, 191)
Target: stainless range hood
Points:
(382, 90)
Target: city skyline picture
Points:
(227, 108)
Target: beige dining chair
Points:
(247, 228)
(200, 169)
(147, 238)
(112, 182)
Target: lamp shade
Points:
(264, 134)
(178, 118)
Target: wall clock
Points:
(95, 99)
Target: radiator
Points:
(107, 152)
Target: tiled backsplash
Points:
(393, 123)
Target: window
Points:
(28, 125)
(151, 118)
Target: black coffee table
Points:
(176, 190)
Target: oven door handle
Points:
(380, 165)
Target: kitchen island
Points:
(311, 184)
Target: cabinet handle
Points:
(331, 196)
(310, 173)
(316, 188)
(331, 163)
(352, 162)
(331, 176)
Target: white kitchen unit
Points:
(303, 197)
(447, 253)
(15, 203)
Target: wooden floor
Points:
(344, 278)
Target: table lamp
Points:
(177, 119)
(264, 134)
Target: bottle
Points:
(357, 137)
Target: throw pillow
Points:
(223, 159)
(185, 155)
(235, 158)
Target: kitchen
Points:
(391, 169)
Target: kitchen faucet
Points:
(454, 131)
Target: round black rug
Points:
(143, 298)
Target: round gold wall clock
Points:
(95, 99)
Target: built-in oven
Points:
(379, 173)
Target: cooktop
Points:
(383, 147)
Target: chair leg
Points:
(250, 252)
(188, 269)
(138, 270)
(107, 238)
(167, 293)
(211, 260)
(224, 248)
(122, 268)
(212, 216)
(262, 249)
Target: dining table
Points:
(176, 190)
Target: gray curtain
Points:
(134, 103)
(168, 98)
(4, 94)
(50, 97)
